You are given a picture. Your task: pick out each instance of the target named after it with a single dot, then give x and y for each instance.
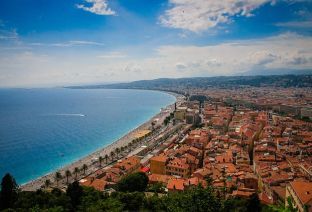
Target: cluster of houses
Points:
(106, 178)
(238, 151)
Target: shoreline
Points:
(88, 159)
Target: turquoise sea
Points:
(42, 130)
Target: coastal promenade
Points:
(90, 160)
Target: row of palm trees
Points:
(120, 150)
(58, 176)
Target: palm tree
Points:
(67, 174)
(106, 158)
(84, 168)
(76, 172)
(112, 154)
(122, 149)
(117, 150)
(58, 176)
(47, 183)
(100, 160)
(130, 145)
(153, 125)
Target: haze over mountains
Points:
(207, 82)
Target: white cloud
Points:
(200, 15)
(112, 55)
(296, 24)
(286, 51)
(6, 34)
(262, 57)
(70, 43)
(99, 7)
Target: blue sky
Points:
(65, 42)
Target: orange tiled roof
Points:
(128, 164)
(98, 184)
(178, 163)
(160, 158)
(303, 190)
(265, 199)
(160, 178)
(176, 184)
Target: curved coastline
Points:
(122, 141)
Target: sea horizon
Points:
(45, 129)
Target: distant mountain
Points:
(304, 80)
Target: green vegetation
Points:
(133, 182)
(58, 176)
(130, 196)
(67, 174)
(101, 160)
(168, 118)
(76, 172)
(84, 168)
(9, 192)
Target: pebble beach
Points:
(89, 159)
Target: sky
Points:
(76, 42)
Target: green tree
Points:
(76, 172)
(9, 191)
(75, 192)
(40, 200)
(67, 174)
(106, 158)
(153, 125)
(209, 180)
(58, 176)
(154, 203)
(133, 182)
(290, 206)
(112, 154)
(117, 150)
(132, 201)
(84, 168)
(195, 199)
(100, 160)
(157, 188)
(238, 204)
(47, 183)
(166, 121)
(130, 145)
(109, 204)
(253, 203)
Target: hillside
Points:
(208, 82)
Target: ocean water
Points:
(42, 130)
